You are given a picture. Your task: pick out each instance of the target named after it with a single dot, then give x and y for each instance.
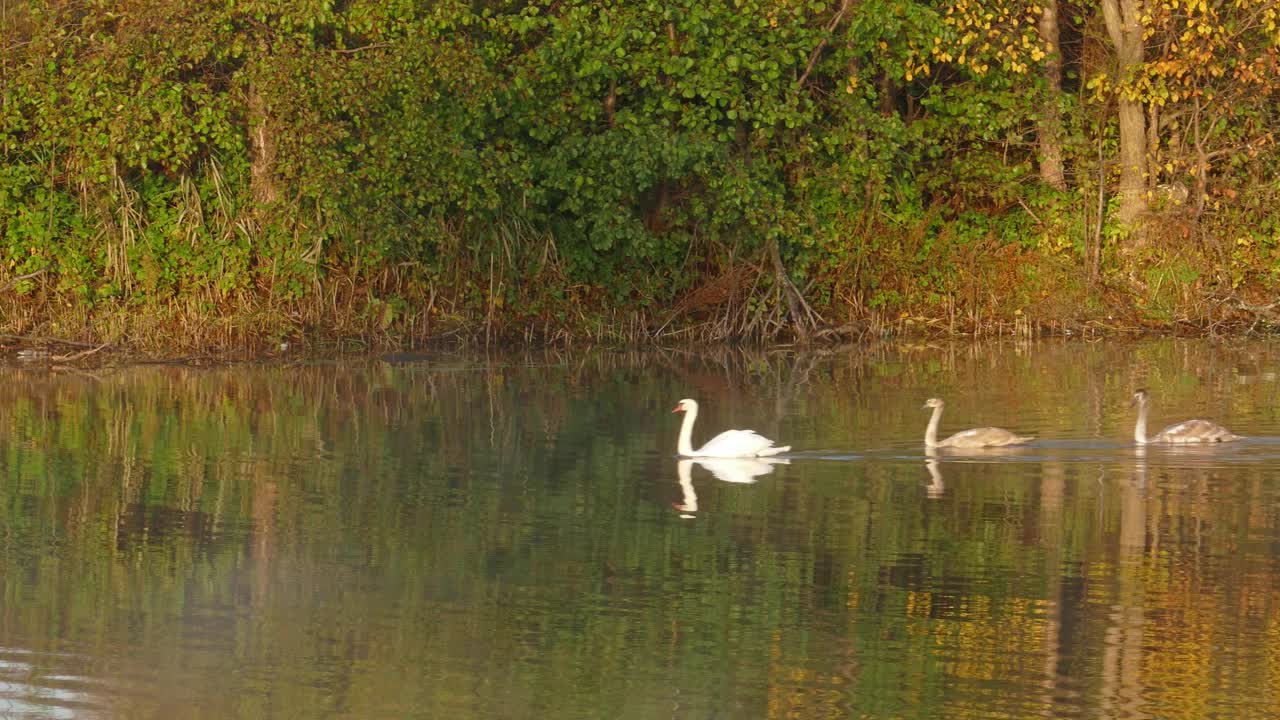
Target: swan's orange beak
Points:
(678, 408)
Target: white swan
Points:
(984, 437)
(1188, 431)
(728, 444)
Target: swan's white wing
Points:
(740, 470)
(739, 444)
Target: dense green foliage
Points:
(385, 167)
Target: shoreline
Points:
(38, 351)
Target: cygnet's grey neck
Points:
(931, 433)
(1140, 429)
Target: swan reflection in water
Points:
(936, 486)
(1140, 467)
(1184, 463)
(731, 470)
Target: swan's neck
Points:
(931, 433)
(684, 446)
(1140, 429)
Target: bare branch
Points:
(817, 52)
(20, 278)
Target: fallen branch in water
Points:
(76, 356)
(1257, 313)
(46, 341)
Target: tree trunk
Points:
(262, 145)
(1050, 129)
(802, 316)
(1125, 29)
(1202, 163)
(887, 95)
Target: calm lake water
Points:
(512, 537)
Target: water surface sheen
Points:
(512, 537)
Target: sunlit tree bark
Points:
(1125, 29)
(263, 146)
(1050, 130)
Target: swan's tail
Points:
(773, 451)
